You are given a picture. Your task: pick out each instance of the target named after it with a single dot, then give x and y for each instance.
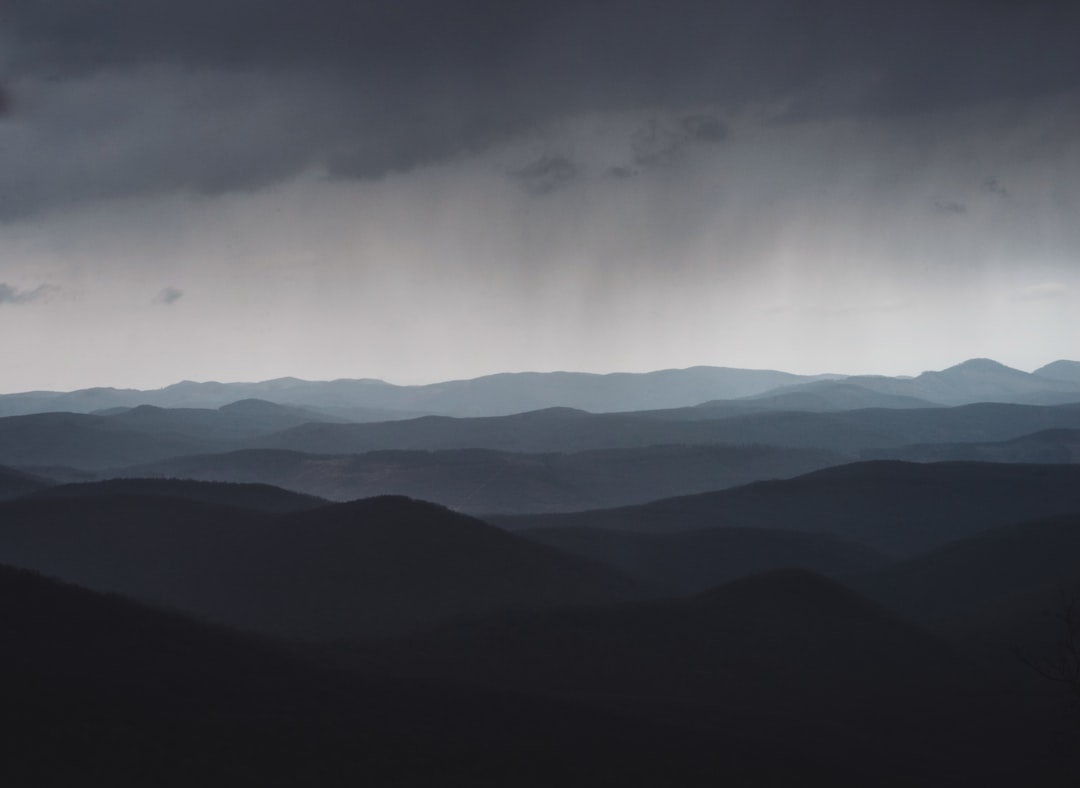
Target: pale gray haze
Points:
(420, 190)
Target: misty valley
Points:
(705, 576)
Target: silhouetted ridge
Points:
(259, 497)
(1063, 370)
(973, 575)
(982, 366)
(14, 483)
(895, 507)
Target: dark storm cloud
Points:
(221, 94)
(704, 128)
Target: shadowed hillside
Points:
(371, 567)
(898, 508)
(972, 576)
(693, 561)
(99, 688)
(786, 656)
(83, 441)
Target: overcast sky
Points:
(420, 190)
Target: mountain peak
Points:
(982, 365)
(1062, 370)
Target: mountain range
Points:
(976, 380)
(691, 577)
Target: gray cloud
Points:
(993, 186)
(13, 295)
(129, 97)
(168, 295)
(949, 207)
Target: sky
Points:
(422, 190)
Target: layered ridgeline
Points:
(367, 399)
(148, 435)
(484, 480)
(552, 460)
(977, 380)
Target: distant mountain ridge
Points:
(972, 381)
(374, 400)
(367, 399)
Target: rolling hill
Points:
(98, 687)
(900, 509)
(373, 567)
(785, 657)
(970, 577)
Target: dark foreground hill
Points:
(694, 561)
(777, 680)
(100, 690)
(898, 508)
(477, 480)
(757, 639)
(785, 657)
(371, 567)
(1006, 597)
